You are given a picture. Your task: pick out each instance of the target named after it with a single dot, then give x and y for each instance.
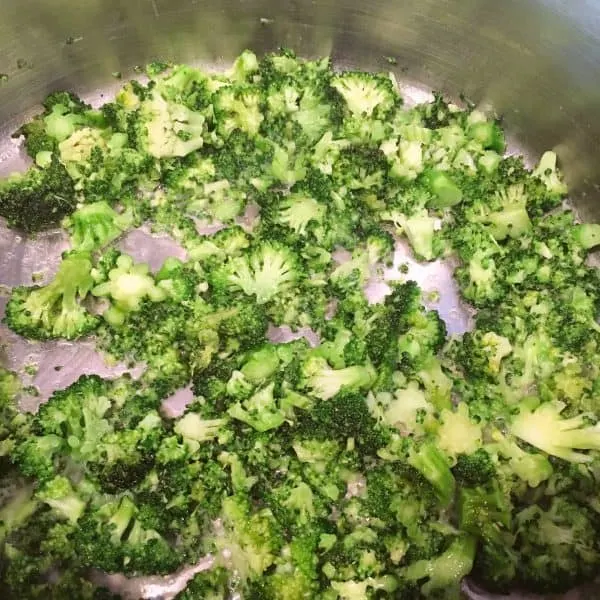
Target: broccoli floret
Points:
(268, 270)
(63, 113)
(420, 229)
(167, 129)
(216, 201)
(37, 199)
(194, 429)
(548, 173)
(260, 411)
(11, 422)
(110, 537)
(477, 468)
(431, 462)
(542, 426)
(252, 539)
(480, 354)
(344, 416)
(445, 571)
(558, 546)
(211, 584)
(378, 247)
(93, 226)
(179, 280)
(298, 211)
(55, 310)
(62, 498)
(128, 284)
(505, 214)
(238, 108)
(324, 382)
(365, 94)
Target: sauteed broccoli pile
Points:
(389, 460)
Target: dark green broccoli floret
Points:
(37, 199)
(474, 469)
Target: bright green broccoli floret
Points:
(364, 93)
(268, 270)
(431, 462)
(62, 498)
(167, 129)
(128, 284)
(325, 382)
(93, 226)
(446, 571)
(55, 310)
(260, 411)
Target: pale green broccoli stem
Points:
(298, 211)
(433, 464)
(219, 201)
(286, 166)
(533, 469)
(438, 386)
(419, 229)
(512, 220)
(260, 411)
(195, 430)
(59, 495)
(241, 481)
(301, 500)
(17, 511)
(359, 590)
(60, 124)
(77, 148)
(489, 161)
(171, 129)
(543, 427)
(266, 273)
(120, 521)
(95, 225)
(445, 570)
(446, 192)
(43, 158)
(547, 171)
(406, 158)
(325, 382)
(587, 235)
(71, 284)
(404, 409)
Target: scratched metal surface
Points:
(537, 62)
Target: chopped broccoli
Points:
(55, 310)
(371, 457)
(93, 226)
(37, 199)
